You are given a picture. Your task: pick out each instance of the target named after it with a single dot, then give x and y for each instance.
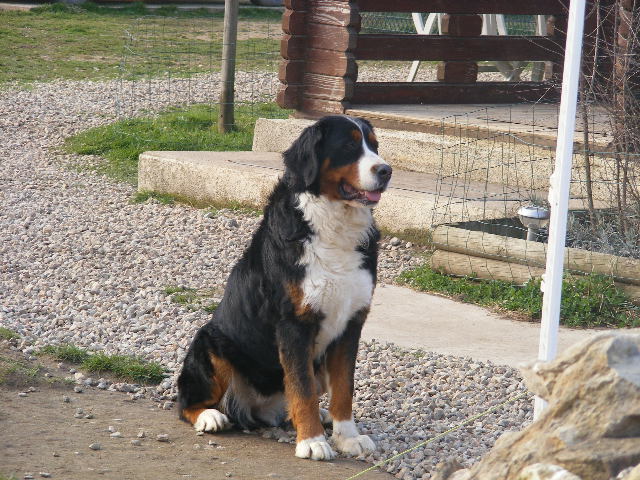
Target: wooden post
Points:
(459, 26)
(318, 69)
(230, 36)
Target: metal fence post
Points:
(230, 36)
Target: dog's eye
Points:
(352, 145)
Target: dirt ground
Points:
(41, 434)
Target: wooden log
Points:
(327, 87)
(328, 62)
(289, 96)
(291, 71)
(437, 47)
(539, 7)
(331, 37)
(457, 72)
(300, 5)
(463, 265)
(434, 92)
(317, 107)
(293, 22)
(332, 12)
(293, 47)
(533, 254)
(461, 25)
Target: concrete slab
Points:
(414, 200)
(413, 319)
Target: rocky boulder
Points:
(591, 427)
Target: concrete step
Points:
(494, 155)
(414, 199)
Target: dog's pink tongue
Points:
(373, 196)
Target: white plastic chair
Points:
(492, 24)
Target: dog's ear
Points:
(301, 159)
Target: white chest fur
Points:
(334, 283)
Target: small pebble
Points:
(95, 446)
(56, 454)
(23, 394)
(77, 389)
(199, 434)
(45, 474)
(141, 434)
(88, 416)
(163, 437)
(31, 389)
(116, 435)
(66, 399)
(79, 410)
(136, 442)
(111, 429)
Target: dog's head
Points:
(338, 157)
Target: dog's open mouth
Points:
(366, 197)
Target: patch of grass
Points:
(129, 367)
(125, 366)
(86, 42)
(163, 198)
(192, 298)
(191, 128)
(66, 353)
(587, 301)
(17, 372)
(7, 334)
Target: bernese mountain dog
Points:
(288, 327)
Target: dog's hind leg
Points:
(204, 380)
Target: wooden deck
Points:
(531, 123)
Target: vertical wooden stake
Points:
(230, 37)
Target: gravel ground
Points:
(81, 264)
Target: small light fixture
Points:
(534, 218)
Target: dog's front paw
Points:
(354, 446)
(315, 448)
(211, 420)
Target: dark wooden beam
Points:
(367, 93)
(511, 7)
(436, 47)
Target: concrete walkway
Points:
(419, 320)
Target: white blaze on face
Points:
(367, 163)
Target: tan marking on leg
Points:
(302, 405)
(341, 383)
(222, 374)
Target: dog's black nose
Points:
(382, 171)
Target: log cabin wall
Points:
(322, 43)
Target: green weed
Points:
(192, 298)
(66, 353)
(17, 372)
(587, 301)
(129, 367)
(163, 198)
(125, 366)
(7, 334)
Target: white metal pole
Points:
(559, 191)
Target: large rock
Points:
(591, 427)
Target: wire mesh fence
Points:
(174, 61)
